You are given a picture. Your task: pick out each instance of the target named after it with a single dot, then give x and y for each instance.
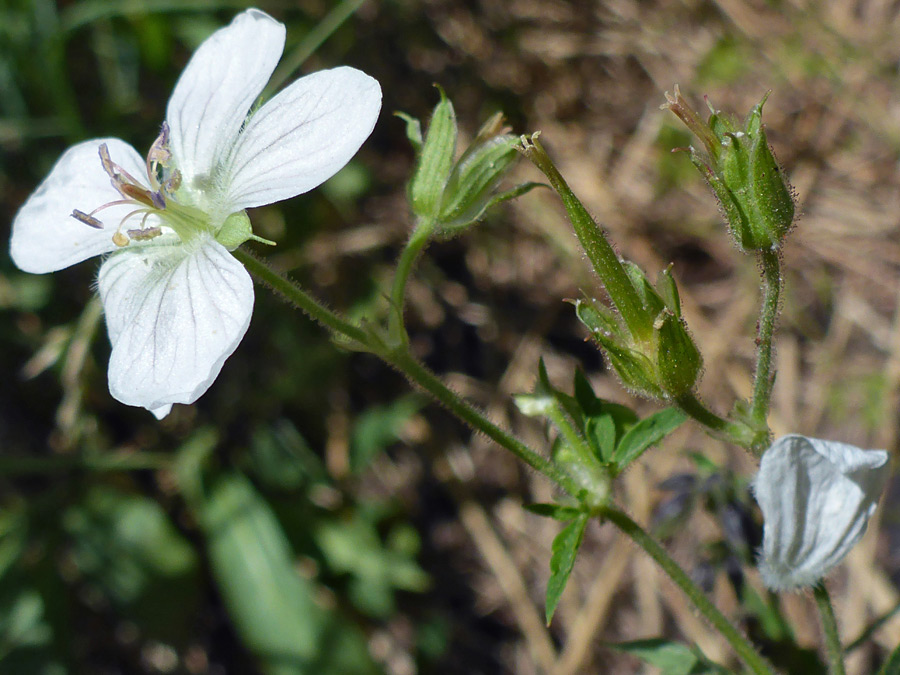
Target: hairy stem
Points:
(417, 242)
(764, 377)
(830, 629)
(742, 647)
(402, 360)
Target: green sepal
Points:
(774, 202)
(678, 358)
(635, 370)
(413, 130)
(236, 230)
(473, 179)
(426, 189)
(668, 290)
(597, 318)
(649, 297)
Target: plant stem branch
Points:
(830, 629)
(417, 242)
(742, 647)
(402, 360)
(733, 432)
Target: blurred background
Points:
(310, 499)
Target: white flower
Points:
(816, 498)
(177, 303)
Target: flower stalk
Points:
(764, 376)
(830, 630)
(741, 646)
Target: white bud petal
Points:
(816, 497)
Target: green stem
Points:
(297, 296)
(16, 466)
(742, 647)
(765, 377)
(402, 360)
(830, 629)
(733, 432)
(311, 42)
(417, 242)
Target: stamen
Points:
(87, 219)
(120, 240)
(172, 183)
(137, 193)
(144, 234)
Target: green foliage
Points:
(273, 608)
(565, 547)
(613, 433)
(126, 547)
(672, 658)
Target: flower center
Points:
(157, 200)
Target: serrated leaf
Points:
(565, 548)
(646, 433)
(555, 511)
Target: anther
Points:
(145, 234)
(83, 217)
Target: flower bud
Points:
(816, 498)
(741, 169)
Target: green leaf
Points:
(646, 433)
(126, 547)
(426, 190)
(378, 427)
(555, 511)
(273, 608)
(601, 434)
(565, 547)
(672, 658)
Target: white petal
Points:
(162, 411)
(816, 497)
(174, 314)
(45, 236)
(215, 91)
(302, 137)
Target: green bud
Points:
(742, 171)
(236, 230)
(678, 358)
(449, 195)
(473, 179)
(438, 151)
